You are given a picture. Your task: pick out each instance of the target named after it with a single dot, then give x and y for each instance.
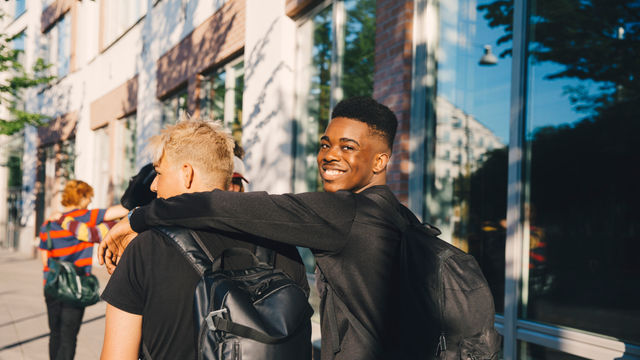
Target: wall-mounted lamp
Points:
(488, 58)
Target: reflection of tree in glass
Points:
(359, 48)
(320, 92)
(321, 80)
(236, 127)
(580, 175)
(596, 40)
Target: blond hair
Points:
(74, 191)
(206, 145)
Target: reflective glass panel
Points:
(337, 48)
(174, 107)
(318, 95)
(212, 94)
(468, 126)
(126, 153)
(359, 41)
(64, 45)
(582, 232)
(238, 89)
(20, 8)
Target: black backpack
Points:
(445, 307)
(255, 313)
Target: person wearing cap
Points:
(237, 177)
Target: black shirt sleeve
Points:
(125, 289)
(320, 221)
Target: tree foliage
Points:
(12, 87)
(594, 40)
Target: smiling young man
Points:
(150, 295)
(353, 239)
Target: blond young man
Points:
(150, 295)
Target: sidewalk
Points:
(24, 333)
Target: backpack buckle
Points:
(217, 313)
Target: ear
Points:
(187, 175)
(380, 162)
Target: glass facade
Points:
(469, 124)
(21, 7)
(221, 96)
(63, 55)
(125, 155)
(336, 45)
(581, 138)
(533, 125)
(174, 106)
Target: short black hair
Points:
(363, 108)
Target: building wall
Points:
(269, 95)
(392, 82)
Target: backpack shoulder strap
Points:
(402, 221)
(190, 246)
(266, 255)
(390, 207)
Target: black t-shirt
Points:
(154, 280)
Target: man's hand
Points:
(114, 243)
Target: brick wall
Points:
(392, 82)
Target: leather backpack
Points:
(256, 313)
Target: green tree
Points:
(594, 40)
(359, 49)
(18, 79)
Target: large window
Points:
(581, 198)
(573, 283)
(56, 166)
(174, 107)
(468, 125)
(221, 96)
(57, 46)
(336, 46)
(20, 8)
(101, 168)
(125, 155)
(120, 15)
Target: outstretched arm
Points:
(94, 224)
(320, 221)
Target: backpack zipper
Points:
(442, 342)
(442, 345)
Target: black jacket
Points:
(354, 242)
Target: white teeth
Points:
(332, 172)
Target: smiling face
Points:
(351, 156)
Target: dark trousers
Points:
(64, 323)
